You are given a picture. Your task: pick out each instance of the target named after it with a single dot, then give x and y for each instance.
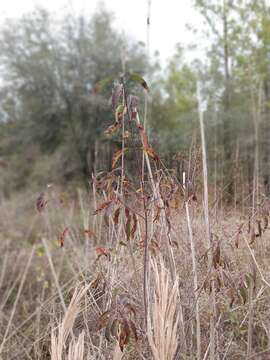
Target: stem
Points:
(207, 225)
(195, 276)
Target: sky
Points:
(168, 18)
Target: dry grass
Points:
(38, 284)
(163, 318)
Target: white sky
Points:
(168, 18)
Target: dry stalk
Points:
(195, 275)
(207, 225)
(59, 337)
(163, 318)
(17, 298)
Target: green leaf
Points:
(138, 79)
(103, 83)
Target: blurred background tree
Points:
(52, 124)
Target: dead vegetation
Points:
(136, 268)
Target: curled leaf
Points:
(62, 237)
(117, 155)
(119, 113)
(116, 216)
(139, 80)
(102, 251)
(112, 128)
(150, 151)
(103, 206)
(103, 83)
(41, 202)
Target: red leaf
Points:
(102, 251)
(41, 203)
(62, 237)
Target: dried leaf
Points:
(89, 232)
(243, 294)
(124, 335)
(133, 329)
(265, 220)
(134, 227)
(237, 237)
(41, 202)
(252, 236)
(231, 295)
(216, 257)
(103, 320)
(116, 216)
(108, 333)
(115, 328)
(158, 213)
(128, 227)
(96, 282)
(62, 237)
(112, 128)
(259, 228)
(143, 135)
(151, 152)
(102, 251)
(117, 155)
(103, 206)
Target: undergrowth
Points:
(133, 268)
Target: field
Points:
(77, 282)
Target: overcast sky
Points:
(168, 18)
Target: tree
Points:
(50, 69)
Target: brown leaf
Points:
(102, 206)
(259, 228)
(216, 257)
(265, 220)
(116, 216)
(62, 237)
(41, 202)
(134, 227)
(112, 128)
(252, 236)
(151, 152)
(128, 227)
(237, 237)
(158, 213)
(103, 320)
(89, 232)
(96, 282)
(133, 329)
(117, 155)
(124, 335)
